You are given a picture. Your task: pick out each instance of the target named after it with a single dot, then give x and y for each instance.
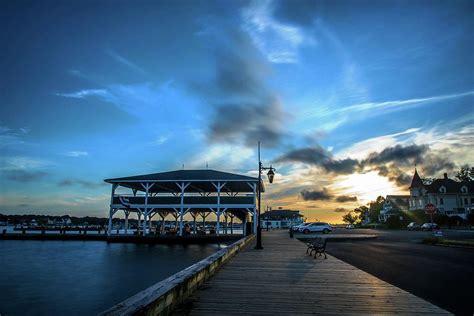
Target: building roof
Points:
(450, 185)
(416, 182)
(201, 181)
(281, 214)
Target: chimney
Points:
(445, 175)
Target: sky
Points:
(345, 96)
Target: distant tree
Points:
(465, 174)
(350, 218)
(375, 207)
(361, 212)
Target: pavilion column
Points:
(244, 225)
(219, 186)
(149, 221)
(231, 223)
(181, 208)
(111, 210)
(147, 186)
(127, 213)
(139, 215)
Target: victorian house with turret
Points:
(450, 197)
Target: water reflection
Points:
(84, 277)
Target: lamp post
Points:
(271, 175)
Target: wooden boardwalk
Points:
(283, 280)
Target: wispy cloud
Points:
(83, 183)
(76, 154)
(277, 41)
(124, 61)
(136, 99)
(160, 140)
(22, 169)
(10, 137)
(335, 116)
(401, 103)
(81, 94)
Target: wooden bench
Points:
(318, 245)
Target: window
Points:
(442, 189)
(441, 201)
(464, 189)
(472, 200)
(465, 201)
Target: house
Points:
(394, 205)
(281, 218)
(450, 197)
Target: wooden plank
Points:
(281, 279)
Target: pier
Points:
(278, 280)
(282, 279)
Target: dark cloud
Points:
(83, 183)
(394, 174)
(23, 205)
(21, 175)
(247, 122)
(436, 165)
(344, 166)
(386, 162)
(318, 156)
(341, 210)
(243, 108)
(402, 155)
(346, 198)
(315, 195)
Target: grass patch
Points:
(448, 242)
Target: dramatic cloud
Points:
(244, 109)
(341, 210)
(394, 174)
(402, 155)
(234, 121)
(435, 165)
(346, 198)
(318, 156)
(323, 195)
(388, 162)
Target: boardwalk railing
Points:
(164, 296)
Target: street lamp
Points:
(271, 175)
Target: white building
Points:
(450, 197)
(281, 218)
(394, 205)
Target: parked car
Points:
(316, 227)
(413, 226)
(429, 226)
(350, 226)
(296, 227)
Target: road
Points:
(441, 275)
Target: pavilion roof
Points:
(201, 181)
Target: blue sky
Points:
(93, 90)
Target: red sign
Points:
(430, 208)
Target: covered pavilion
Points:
(197, 192)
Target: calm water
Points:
(83, 277)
